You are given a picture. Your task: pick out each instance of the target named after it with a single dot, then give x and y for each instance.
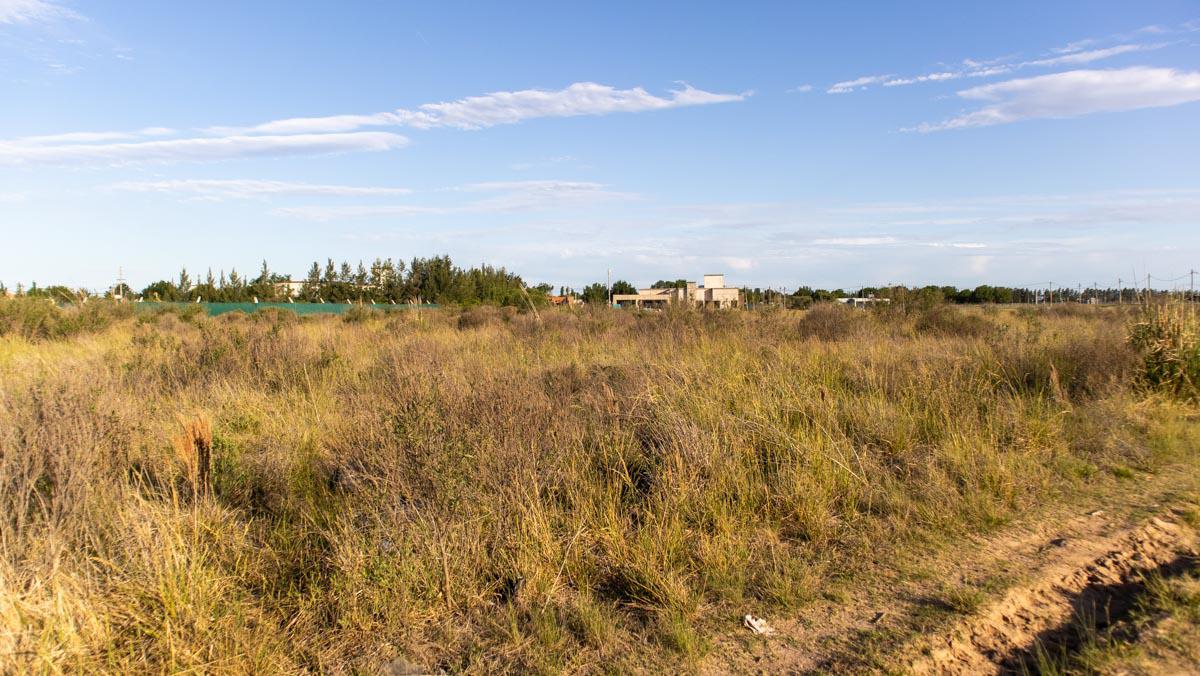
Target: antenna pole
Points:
(119, 291)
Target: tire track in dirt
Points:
(1097, 577)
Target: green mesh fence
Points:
(214, 309)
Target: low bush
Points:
(36, 318)
(479, 316)
(944, 320)
(831, 321)
(1168, 336)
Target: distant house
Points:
(712, 294)
(291, 288)
(565, 300)
(863, 302)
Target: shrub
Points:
(358, 314)
(831, 321)
(1168, 337)
(36, 318)
(944, 320)
(478, 316)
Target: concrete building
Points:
(711, 294)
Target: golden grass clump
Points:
(193, 447)
(588, 491)
(1169, 336)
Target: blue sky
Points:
(830, 144)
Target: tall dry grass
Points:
(586, 491)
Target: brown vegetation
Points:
(488, 491)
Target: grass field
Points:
(584, 491)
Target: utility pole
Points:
(1120, 299)
(610, 293)
(1191, 285)
(1052, 293)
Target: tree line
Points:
(438, 280)
(985, 293)
(422, 280)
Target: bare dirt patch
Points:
(1003, 637)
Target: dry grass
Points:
(487, 492)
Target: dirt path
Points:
(1088, 578)
(979, 606)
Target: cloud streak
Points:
(1077, 53)
(1072, 94)
(33, 11)
(218, 189)
(195, 149)
(345, 133)
(499, 108)
(509, 197)
(858, 83)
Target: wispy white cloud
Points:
(497, 108)
(855, 241)
(1084, 57)
(1074, 93)
(34, 11)
(196, 149)
(534, 186)
(544, 162)
(338, 133)
(863, 82)
(88, 137)
(956, 245)
(974, 69)
(802, 89)
(1076, 46)
(507, 197)
(217, 189)
(1077, 53)
(319, 213)
(928, 77)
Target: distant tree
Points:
(312, 284)
(162, 290)
(622, 286)
(185, 282)
(595, 294)
(664, 284)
